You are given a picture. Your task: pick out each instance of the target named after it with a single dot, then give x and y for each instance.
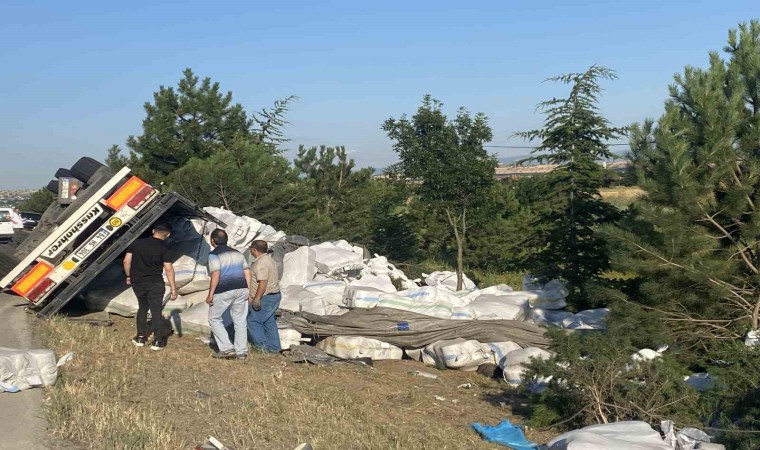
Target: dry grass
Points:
(116, 396)
(621, 196)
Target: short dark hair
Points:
(162, 227)
(219, 237)
(260, 245)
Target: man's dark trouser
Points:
(149, 297)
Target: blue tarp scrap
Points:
(505, 434)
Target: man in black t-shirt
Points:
(144, 264)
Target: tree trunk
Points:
(459, 237)
(756, 316)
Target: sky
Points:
(74, 75)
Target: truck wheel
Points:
(63, 173)
(86, 169)
(52, 186)
(99, 178)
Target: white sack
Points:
(292, 297)
(546, 317)
(121, 300)
(456, 354)
(332, 257)
(499, 289)
(515, 363)
(590, 319)
(299, 267)
(448, 280)
(361, 297)
(462, 313)
(330, 291)
(631, 435)
(25, 369)
(552, 295)
(418, 302)
(499, 351)
(380, 282)
(414, 353)
(313, 305)
(497, 307)
(190, 268)
(195, 319)
(352, 347)
(288, 337)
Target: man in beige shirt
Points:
(264, 299)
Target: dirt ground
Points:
(114, 395)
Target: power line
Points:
(531, 146)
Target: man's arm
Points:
(127, 264)
(260, 290)
(214, 282)
(247, 274)
(169, 269)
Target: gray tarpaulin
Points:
(408, 329)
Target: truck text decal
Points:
(67, 237)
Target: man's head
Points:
(16, 210)
(259, 247)
(218, 237)
(162, 230)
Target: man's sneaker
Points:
(139, 341)
(228, 354)
(242, 356)
(158, 344)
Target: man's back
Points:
(148, 258)
(230, 264)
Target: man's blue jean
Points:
(237, 301)
(262, 326)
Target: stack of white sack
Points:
(590, 319)
(24, 369)
(241, 230)
(120, 299)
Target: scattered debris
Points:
(419, 373)
(506, 434)
(440, 399)
(465, 386)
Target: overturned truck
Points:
(96, 215)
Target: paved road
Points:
(21, 423)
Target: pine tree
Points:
(195, 120)
(694, 241)
(574, 138)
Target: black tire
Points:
(86, 169)
(52, 186)
(63, 173)
(99, 178)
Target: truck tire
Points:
(99, 178)
(86, 169)
(63, 173)
(52, 186)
